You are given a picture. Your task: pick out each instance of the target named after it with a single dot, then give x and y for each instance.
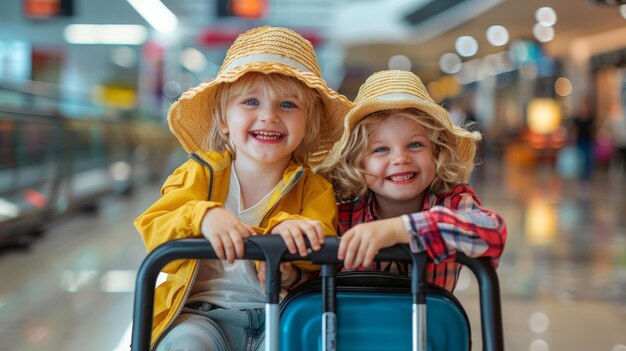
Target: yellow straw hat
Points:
(265, 50)
(395, 90)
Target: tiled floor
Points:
(563, 274)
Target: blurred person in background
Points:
(617, 127)
(584, 133)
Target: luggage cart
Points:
(272, 249)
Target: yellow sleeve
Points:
(179, 212)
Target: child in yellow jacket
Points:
(251, 135)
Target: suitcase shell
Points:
(373, 313)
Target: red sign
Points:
(47, 8)
(225, 36)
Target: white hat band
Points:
(399, 96)
(267, 58)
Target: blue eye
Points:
(251, 102)
(414, 145)
(287, 104)
(380, 149)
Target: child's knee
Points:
(194, 333)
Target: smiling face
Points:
(399, 164)
(265, 125)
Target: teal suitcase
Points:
(373, 313)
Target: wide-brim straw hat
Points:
(264, 50)
(394, 90)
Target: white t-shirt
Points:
(232, 285)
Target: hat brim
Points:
(396, 102)
(190, 117)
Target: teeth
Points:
(267, 135)
(401, 178)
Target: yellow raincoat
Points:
(201, 184)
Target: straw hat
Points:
(265, 50)
(394, 90)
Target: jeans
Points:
(202, 326)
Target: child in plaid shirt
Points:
(399, 172)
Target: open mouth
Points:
(267, 136)
(401, 177)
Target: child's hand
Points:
(293, 232)
(225, 232)
(361, 243)
(288, 274)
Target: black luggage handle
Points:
(269, 249)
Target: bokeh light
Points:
(193, 60)
(466, 46)
(544, 115)
(400, 62)
(538, 345)
(543, 33)
(497, 35)
(539, 322)
(546, 16)
(563, 87)
(436, 90)
(124, 56)
(450, 63)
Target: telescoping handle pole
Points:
(273, 248)
(329, 317)
(418, 294)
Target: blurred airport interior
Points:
(84, 145)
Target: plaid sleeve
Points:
(457, 223)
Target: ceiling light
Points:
(119, 34)
(400, 62)
(546, 16)
(466, 46)
(450, 63)
(497, 35)
(543, 33)
(193, 59)
(157, 14)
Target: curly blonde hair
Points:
(348, 175)
(277, 84)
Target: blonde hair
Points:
(277, 84)
(348, 175)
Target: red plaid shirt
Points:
(448, 223)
